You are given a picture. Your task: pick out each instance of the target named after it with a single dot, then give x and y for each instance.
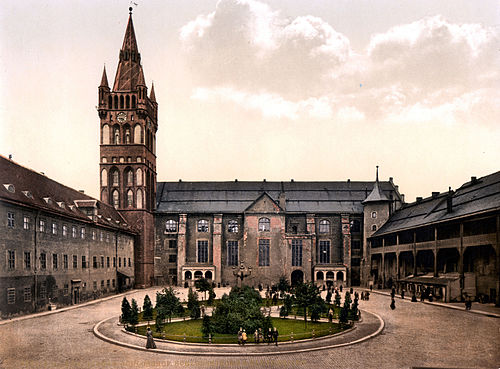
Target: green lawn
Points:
(286, 327)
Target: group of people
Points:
(270, 337)
(365, 295)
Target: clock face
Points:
(122, 117)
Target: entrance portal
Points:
(297, 277)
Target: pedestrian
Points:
(243, 337)
(393, 292)
(340, 288)
(371, 286)
(275, 336)
(330, 315)
(256, 336)
(468, 304)
(414, 297)
(402, 294)
(269, 336)
(362, 295)
(367, 295)
(393, 304)
(150, 343)
(240, 336)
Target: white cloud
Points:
(248, 54)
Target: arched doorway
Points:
(198, 274)
(187, 275)
(320, 276)
(340, 276)
(297, 277)
(208, 274)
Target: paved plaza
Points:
(415, 335)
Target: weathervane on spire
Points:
(377, 174)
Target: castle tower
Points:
(376, 211)
(128, 125)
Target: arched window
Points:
(121, 102)
(115, 178)
(138, 177)
(203, 225)
(133, 102)
(147, 138)
(110, 102)
(130, 198)
(374, 227)
(170, 226)
(139, 199)
(116, 199)
(130, 177)
(128, 138)
(104, 177)
(105, 134)
(104, 196)
(198, 274)
(116, 135)
(116, 102)
(264, 225)
(232, 226)
(138, 135)
(374, 214)
(127, 102)
(324, 226)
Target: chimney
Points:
(435, 195)
(81, 191)
(391, 179)
(473, 179)
(419, 199)
(449, 201)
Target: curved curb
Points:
(202, 353)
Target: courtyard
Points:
(414, 335)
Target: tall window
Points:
(203, 225)
(324, 226)
(356, 226)
(54, 228)
(115, 180)
(172, 244)
(41, 226)
(11, 260)
(130, 198)
(263, 252)
(138, 176)
(65, 261)
(11, 295)
(116, 199)
(374, 214)
(170, 226)
(43, 260)
(264, 225)
(27, 260)
(82, 233)
(202, 251)
(75, 261)
(102, 261)
(54, 261)
(104, 177)
(27, 294)
(26, 223)
(84, 262)
(116, 136)
(10, 220)
(324, 252)
(139, 199)
(232, 226)
(130, 178)
(73, 232)
(94, 262)
(232, 253)
(65, 230)
(296, 252)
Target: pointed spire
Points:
(129, 67)
(152, 95)
(140, 79)
(377, 195)
(104, 79)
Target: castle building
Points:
(58, 246)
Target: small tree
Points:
(354, 309)
(147, 309)
(211, 296)
(134, 313)
(193, 304)
(125, 311)
(306, 295)
(283, 286)
(347, 300)
(287, 307)
(203, 285)
(206, 326)
(167, 304)
(343, 315)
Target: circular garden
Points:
(299, 313)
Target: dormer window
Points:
(10, 187)
(28, 194)
(48, 200)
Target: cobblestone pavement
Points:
(415, 335)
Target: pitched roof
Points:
(25, 187)
(477, 196)
(129, 69)
(104, 79)
(235, 197)
(152, 95)
(376, 195)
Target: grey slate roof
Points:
(471, 198)
(377, 195)
(235, 197)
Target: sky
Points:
(320, 90)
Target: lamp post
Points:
(241, 273)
